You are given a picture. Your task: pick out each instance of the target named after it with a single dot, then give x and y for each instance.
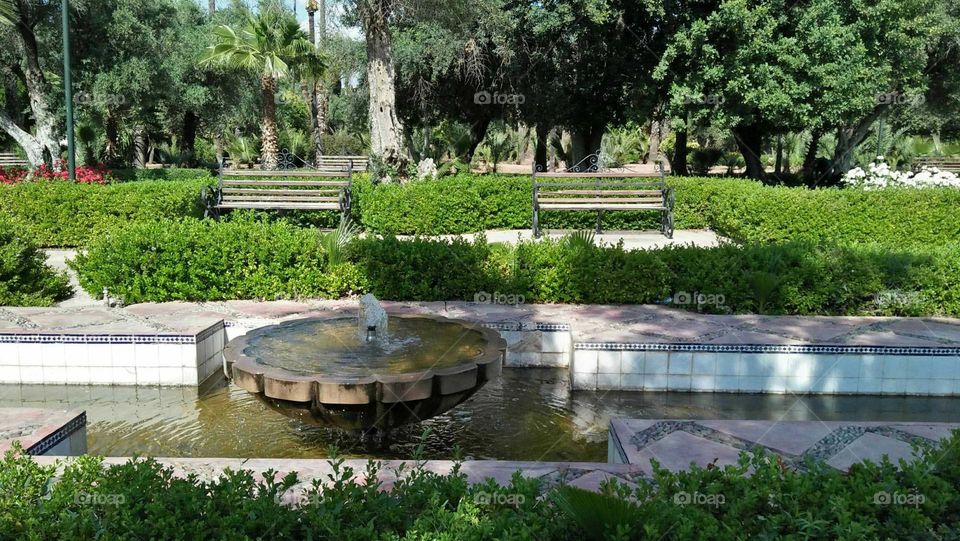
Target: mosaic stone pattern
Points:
(677, 444)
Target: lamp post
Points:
(68, 92)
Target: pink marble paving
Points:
(30, 426)
(588, 323)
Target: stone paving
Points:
(586, 475)
(40, 430)
(588, 323)
(677, 444)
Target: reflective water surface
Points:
(335, 346)
(529, 414)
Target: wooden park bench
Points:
(356, 164)
(9, 159)
(942, 163)
(601, 191)
(283, 190)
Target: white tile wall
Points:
(767, 372)
(112, 364)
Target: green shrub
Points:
(749, 212)
(166, 173)
(25, 278)
(246, 258)
(756, 498)
(424, 270)
(194, 259)
(468, 203)
(67, 214)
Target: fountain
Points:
(372, 371)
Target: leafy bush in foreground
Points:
(757, 498)
(25, 278)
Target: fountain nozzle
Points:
(371, 331)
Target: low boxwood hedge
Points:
(64, 214)
(25, 278)
(166, 173)
(739, 209)
(191, 259)
(757, 498)
(246, 258)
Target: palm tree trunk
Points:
(268, 125)
(212, 5)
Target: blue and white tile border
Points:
(63, 433)
(768, 348)
(64, 358)
(764, 368)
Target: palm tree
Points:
(7, 12)
(272, 45)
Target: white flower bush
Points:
(880, 175)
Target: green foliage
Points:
(423, 269)
(247, 258)
(759, 497)
(189, 259)
(25, 278)
(467, 203)
(165, 173)
(746, 211)
(67, 214)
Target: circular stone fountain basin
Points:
(324, 372)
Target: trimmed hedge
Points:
(25, 278)
(750, 212)
(167, 173)
(64, 214)
(209, 260)
(243, 258)
(739, 209)
(757, 498)
(471, 203)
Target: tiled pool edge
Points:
(759, 368)
(114, 358)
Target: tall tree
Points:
(272, 45)
(386, 130)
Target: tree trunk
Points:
(111, 154)
(218, 146)
(810, 158)
(45, 123)
(478, 130)
(385, 128)
(320, 102)
(585, 148)
(188, 138)
(678, 166)
(139, 147)
(212, 6)
(268, 125)
(750, 142)
(656, 135)
(540, 154)
(849, 137)
(778, 165)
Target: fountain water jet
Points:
(353, 373)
